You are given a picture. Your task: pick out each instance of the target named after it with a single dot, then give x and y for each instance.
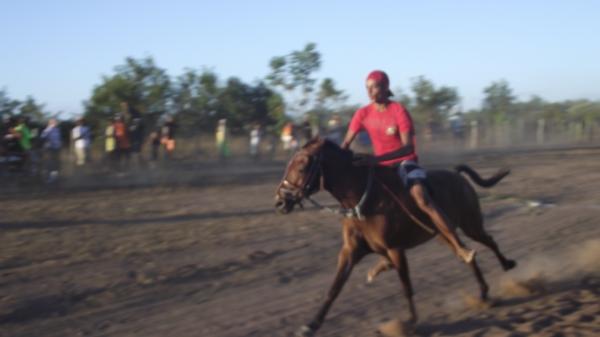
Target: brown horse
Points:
(379, 220)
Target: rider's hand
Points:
(363, 159)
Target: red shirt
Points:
(121, 135)
(384, 128)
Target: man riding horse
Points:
(392, 134)
(378, 217)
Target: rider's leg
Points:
(441, 221)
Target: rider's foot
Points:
(466, 254)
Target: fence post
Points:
(541, 128)
(474, 135)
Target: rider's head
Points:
(378, 86)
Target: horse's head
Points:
(302, 177)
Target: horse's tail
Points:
(476, 178)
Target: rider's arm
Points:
(348, 139)
(406, 149)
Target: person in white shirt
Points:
(80, 136)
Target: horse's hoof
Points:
(509, 264)
(397, 328)
(305, 331)
(476, 303)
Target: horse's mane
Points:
(331, 148)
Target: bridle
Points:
(313, 182)
(309, 184)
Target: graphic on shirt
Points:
(390, 130)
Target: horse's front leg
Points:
(347, 258)
(382, 265)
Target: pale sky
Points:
(57, 51)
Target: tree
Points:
(140, 83)
(199, 101)
(244, 105)
(329, 94)
(195, 99)
(293, 74)
(498, 102)
(431, 106)
(7, 104)
(587, 113)
(32, 109)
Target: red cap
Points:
(382, 78)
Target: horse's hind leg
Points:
(484, 238)
(398, 258)
(483, 286)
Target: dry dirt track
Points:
(217, 261)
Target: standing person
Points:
(306, 129)
(392, 134)
(51, 144)
(23, 134)
(10, 137)
(122, 141)
(80, 136)
(155, 141)
(221, 139)
(335, 130)
(136, 134)
(255, 135)
(287, 136)
(167, 134)
(12, 145)
(110, 144)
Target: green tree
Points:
(587, 113)
(7, 104)
(195, 99)
(329, 94)
(498, 104)
(293, 73)
(244, 105)
(430, 105)
(32, 110)
(140, 83)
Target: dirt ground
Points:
(212, 258)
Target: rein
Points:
(354, 212)
(410, 214)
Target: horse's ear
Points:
(314, 143)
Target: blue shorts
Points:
(410, 172)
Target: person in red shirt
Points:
(392, 134)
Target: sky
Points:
(57, 51)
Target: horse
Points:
(380, 216)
